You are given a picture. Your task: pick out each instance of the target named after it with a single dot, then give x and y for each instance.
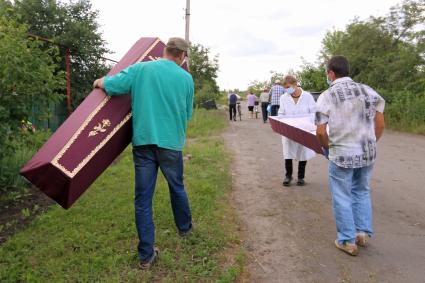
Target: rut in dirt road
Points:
(289, 232)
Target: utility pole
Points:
(187, 17)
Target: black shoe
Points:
(185, 234)
(300, 182)
(287, 181)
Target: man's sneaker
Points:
(348, 248)
(300, 182)
(145, 265)
(361, 239)
(287, 181)
(185, 234)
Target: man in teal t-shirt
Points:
(161, 100)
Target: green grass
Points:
(95, 240)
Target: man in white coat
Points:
(295, 102)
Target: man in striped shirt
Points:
(275, 93)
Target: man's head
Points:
(277, 82)
(337, 67)
(176, 50)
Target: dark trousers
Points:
(147, 160)
(232, 111)
(289, 169)
(275, 109)
(264, 110)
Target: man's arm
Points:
(379, 125)
(118, 84)
(189, 102)
(322, 135)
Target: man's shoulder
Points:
(324, 94)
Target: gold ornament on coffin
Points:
(100, 127)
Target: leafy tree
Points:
(203, 68)
(72, 24)
(204, 71)
(257, 87)
(27, 74)
(312, 78)
(387, 53)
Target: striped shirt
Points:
(275, 93)
(349, 109)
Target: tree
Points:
(72, 24)
(312, 78)
(203, 68)
(387, 53)
(28, 73)
(257, 87)
(204, 72)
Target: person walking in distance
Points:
(233, 99)
(353, 113)
(275, 93)
(158, 136)
(264, 100)
(251, 98)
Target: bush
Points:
(206, 93)
(20, 149)
(406, 111)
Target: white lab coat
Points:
(305, 105)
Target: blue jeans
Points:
(147, 160)
(352, 206)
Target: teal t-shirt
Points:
(161, 101)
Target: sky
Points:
(252, 38)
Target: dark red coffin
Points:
(301, 132)
(90, 139)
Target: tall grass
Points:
(19, 150)
(406, 112)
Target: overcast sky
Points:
(251, 37)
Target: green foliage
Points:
(203, 68)
(406, 112)
(204, 72)
(19, 149)
(312, 78)
(72, 24)
(28, 73)
(95, 240)
(207, 92)
(257, 87)
(387, 53)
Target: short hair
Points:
(339, 65)
(290, 80)
(176, 53)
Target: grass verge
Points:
(96, 239)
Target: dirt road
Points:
(289, 232)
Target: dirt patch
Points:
(18, 208)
